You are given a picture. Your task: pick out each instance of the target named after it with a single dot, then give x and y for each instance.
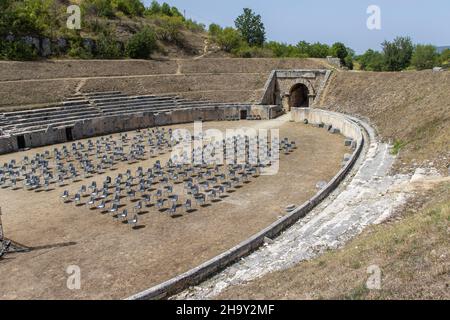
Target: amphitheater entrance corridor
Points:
(299, 96)
(21, 142)
(243, 114)
(69, 135)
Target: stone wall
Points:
(114, 124)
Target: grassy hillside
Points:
(411, 109)
(106, 30)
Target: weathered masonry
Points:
(294, 88)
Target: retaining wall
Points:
(113, 124)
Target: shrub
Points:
(214, 30)
(130, 7)
(194, 25)
(101, 8)
(424, 57)
(170, 29)
(17, 50)
(245, 51)
(108, 47)
(371, 61)
(142, 44)
(229, 39)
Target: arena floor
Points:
(117, 261)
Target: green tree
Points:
(214, 30)
(130, 7)
(229, 39)
(319, 50)
(371, 61)
(424, 57)
(166, 9)
(339, 50)
(251, 28)
(398, 53)
(154, 8)
(142, 44)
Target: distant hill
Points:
(442, 48)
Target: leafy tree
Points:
(166, 9)
(304, 48)
(319, 50)
(229, 39)
(214, 30)
(170, 29)
(339, 50)
(142, 44)
(154, 8)
(251, 28)
(130, 7)
(371, 61)
(398, 53)
(175, 12)
(424, 57)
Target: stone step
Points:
(59, 113)
(126, 99)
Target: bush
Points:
(169, 29)
(371, 61)
(108, 47)
(397, 54)
(194, 25)
(101, 8)
(424, 57)
(130, 7)
(17, 50)
(229, 39)
(142, 44)
(245, 51)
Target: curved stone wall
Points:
(348, 128)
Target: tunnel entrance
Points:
(21, 142)
(299, 96)
(69, 135)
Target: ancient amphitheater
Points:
(89, 178)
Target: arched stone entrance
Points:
(299, 96)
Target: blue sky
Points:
(329, 21)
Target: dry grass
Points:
(413, 255)
(409, 108)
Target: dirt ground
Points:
(117, 261)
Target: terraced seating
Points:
(87, 106)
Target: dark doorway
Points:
(21, 142)
(299, 97)
(69, 135)
(243, 114)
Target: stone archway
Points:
(299, 96)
